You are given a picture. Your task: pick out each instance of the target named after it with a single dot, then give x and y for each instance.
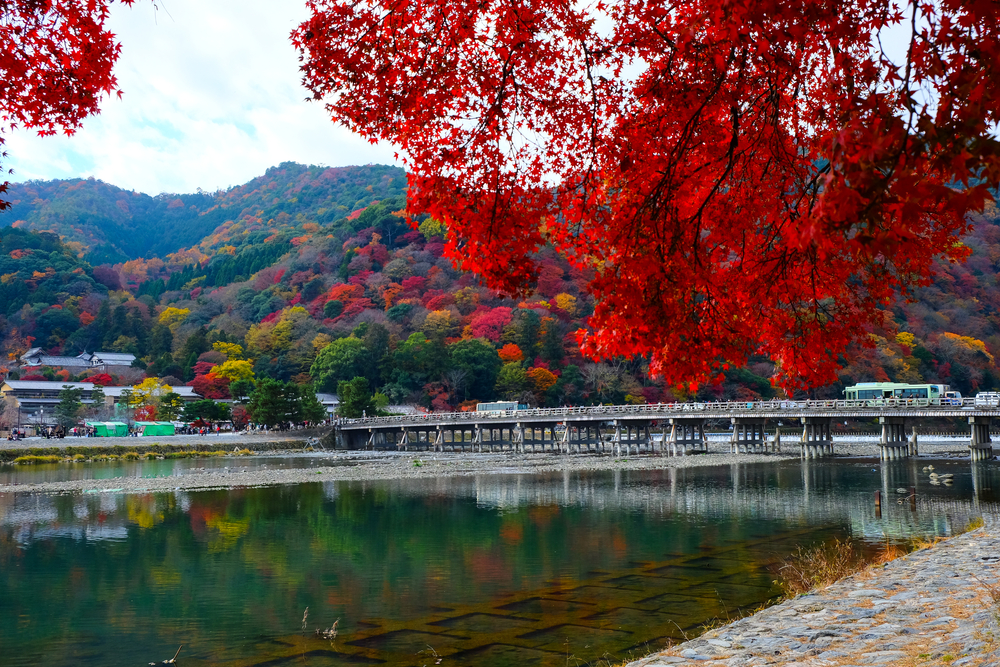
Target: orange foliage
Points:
(542, 378)
(510, 352)
(390, 293)
(343, 292)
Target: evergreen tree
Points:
(170, 406)
(97, 400)
(273, 402)
(356, 399)
(527, 333)
(69, 406)
(310, 409)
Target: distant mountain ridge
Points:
(107, 224)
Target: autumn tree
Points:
(55, 63)
(738, 178)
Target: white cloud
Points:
(211, 99)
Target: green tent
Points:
(155, 428)
(109, 429)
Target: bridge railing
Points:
(667, 410)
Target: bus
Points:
(500, 406)
(874, 390)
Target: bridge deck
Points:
(771, 410)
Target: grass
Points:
(32, 459)
(825, 564)
(72, 455)
(819, 566)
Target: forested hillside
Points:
(299, 279)
(106, 224)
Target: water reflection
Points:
(491, 570)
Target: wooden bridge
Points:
(668, 428)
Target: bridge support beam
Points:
(749, 436)
(816, 439)
(894, 444)
(687, 436)
(981, 445)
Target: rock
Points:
(866, 593)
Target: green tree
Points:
(332, 308)
(342, 359)
(512, 381)
(129, 401)
(481, 364)
(240, 390)
(356, 400)
(415, 361)
(552, 341)
(274, 402)
(205, 410)
(528, 325)
(69, 406)
(310, 409)
(170, 406)
(97, 400)
(376, 341)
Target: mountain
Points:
(310, 274)
(106, 224)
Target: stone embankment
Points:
(936, 606)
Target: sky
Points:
(211, 98)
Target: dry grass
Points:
(974, 523)
(822, 565)
(819, 566)
(33, 459)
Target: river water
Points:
(553, 569)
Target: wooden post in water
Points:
(878, 504)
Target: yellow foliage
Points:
(234, 369)
(906, 338)
(970, 350)
(438, 324)
(233, 351)
(320, 341)
(430, 227)
(150, 390)
(171, 316)
(566, 303)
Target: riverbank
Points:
(369, 466)
(365, 465)
(936, 606)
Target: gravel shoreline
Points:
(223, 440)
(368, 466)
(363, 466)
(932, 607)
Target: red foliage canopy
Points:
(102, 379)
(742, 177)
(55, 63)
(211, 386)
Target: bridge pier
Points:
(894, 444)
(981, 445)
(687, 436)
(749, 436)
(816, 439)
